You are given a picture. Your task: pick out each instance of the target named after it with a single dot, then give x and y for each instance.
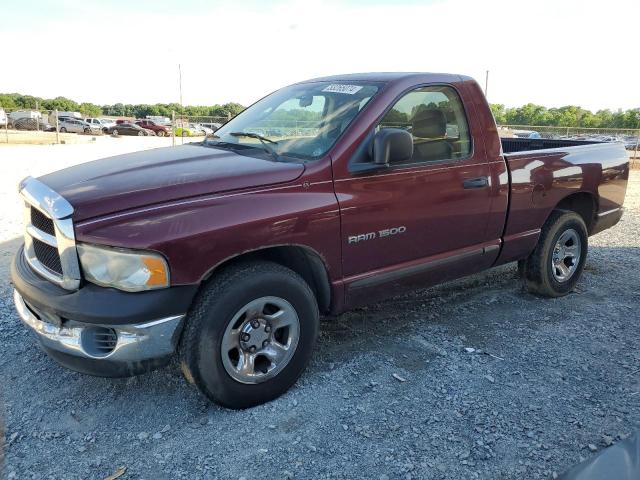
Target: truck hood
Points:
(123, 182)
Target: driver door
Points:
(424, 220)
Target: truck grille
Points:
(41, 222)
(49, 238)
(47, 256)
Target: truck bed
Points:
(514, 145)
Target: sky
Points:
(552, 53)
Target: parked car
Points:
(527, 134)
(159, 130)
(20, 114)
(199, 129)
(228, 250)
(184, 131)
(631, 142)
(74, 125)
(127, 129)
(75, 115)
(33, 124)
(99, 124)
(212, 126)
(159, 120)
(4, 120)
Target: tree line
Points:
(569, 116)
(529, 114)
(16, 101)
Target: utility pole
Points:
(181, 107)
(55, 112)
(486, 84)
(635, 153)
(173, 128)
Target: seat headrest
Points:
(429, 123)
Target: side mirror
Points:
(391, 145)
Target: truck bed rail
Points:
(513, 145)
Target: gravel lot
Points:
(472, 379)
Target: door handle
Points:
(478, 182)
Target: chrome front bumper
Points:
(135, 344)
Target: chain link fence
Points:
(38, 126)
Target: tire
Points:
(87, 130)
(114, 132)
(554, 268)
(141, 134)
(263, 287)
(63, 130)
(160, 133)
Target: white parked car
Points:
(158, 120)
(74, 125)
(199, 129)
(101, 124)
(213, 126)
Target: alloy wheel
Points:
(260, 340)
(565, 257)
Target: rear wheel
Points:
(555, 266)
(63, 130)
(160, 133)
(249, 335)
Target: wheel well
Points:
(584, 204)
(301, 260)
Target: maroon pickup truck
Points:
(322, 196)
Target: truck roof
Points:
(387, 77)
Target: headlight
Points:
(132, 271)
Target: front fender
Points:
(195, 235)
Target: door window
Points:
(436, 120)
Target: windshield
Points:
(303, 120)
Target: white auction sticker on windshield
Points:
(341, 88)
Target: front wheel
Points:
(141, 134)
(160, 133)
(63, 130)
(249, 334)
(555, 266)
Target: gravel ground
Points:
(472, 379)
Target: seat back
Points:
(429, 130)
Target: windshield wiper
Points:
(263, 140)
